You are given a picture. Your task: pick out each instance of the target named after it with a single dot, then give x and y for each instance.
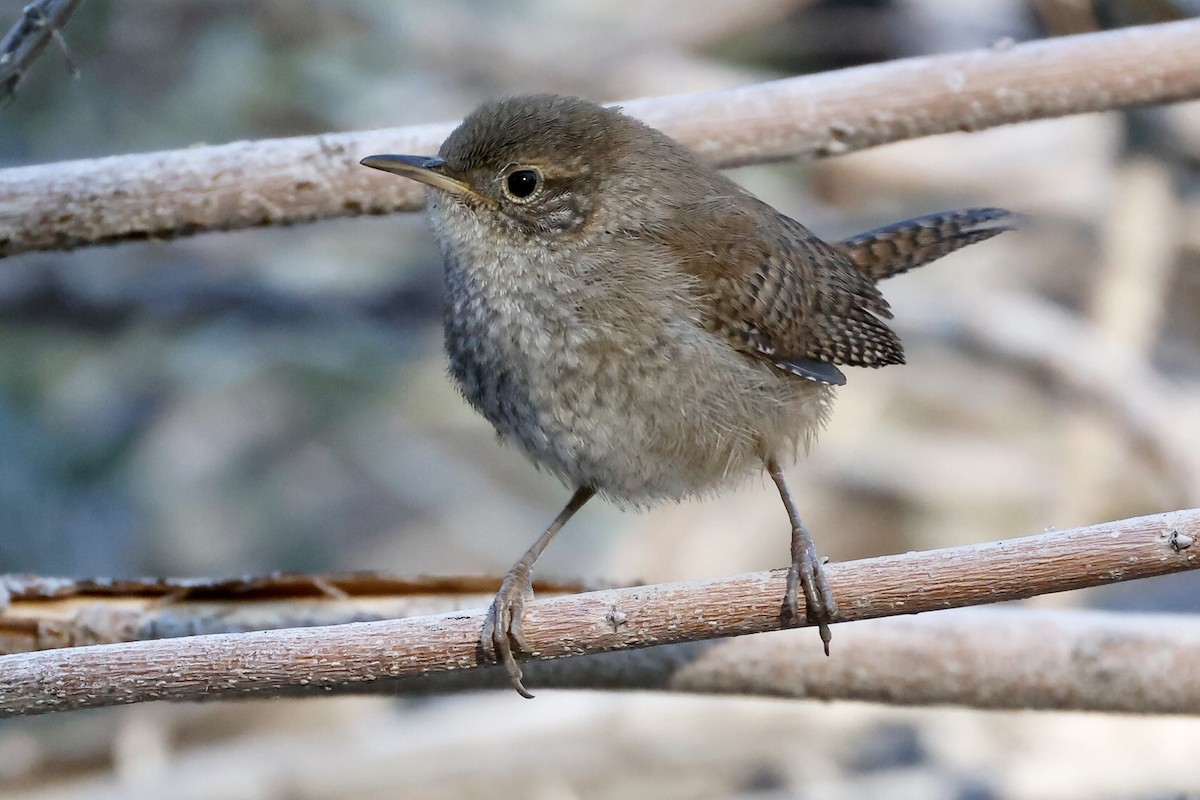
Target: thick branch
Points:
(345, 657)
(270, 182)
(982, 658)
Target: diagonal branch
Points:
(351, 657)
(40, 22)
(279, 181)
(994, 658)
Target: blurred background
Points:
(271, 400)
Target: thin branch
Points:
(279, 181)
(40, 22)
(40, 613)
(345, 657)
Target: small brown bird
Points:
(642, 326)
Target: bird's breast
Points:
(606, 377)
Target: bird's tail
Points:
(902, 246)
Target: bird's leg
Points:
(502, 634)
(805, 573)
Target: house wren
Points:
(642, 326)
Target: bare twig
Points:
(345, 657)
(270, 182)
(40, 22)
(39, 613)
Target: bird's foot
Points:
(808, 576)
(502, 635)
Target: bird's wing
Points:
(779, 293)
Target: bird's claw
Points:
(808, 576)
(503, 636)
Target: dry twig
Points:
(39, 613)
(349, 657)
(40, 22)
(271, 182)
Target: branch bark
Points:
(40, 613)
(281, 181)
(981, 658)
(353, 656)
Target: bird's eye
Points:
(521, 183)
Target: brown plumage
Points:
(901, 246)
(780, 293)
(642, 326)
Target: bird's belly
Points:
(640, 418)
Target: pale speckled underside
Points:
(633, 397)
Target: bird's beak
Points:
(425, 169)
